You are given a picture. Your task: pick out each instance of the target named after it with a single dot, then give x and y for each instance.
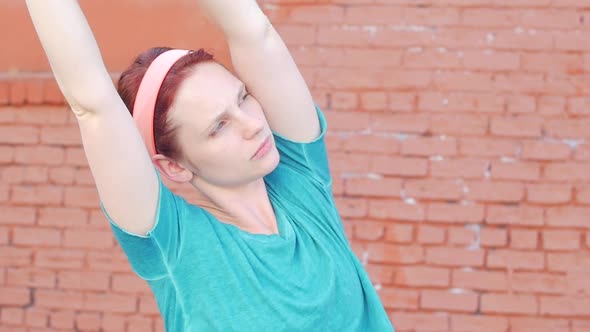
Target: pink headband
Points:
(145, 101)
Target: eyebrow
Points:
(221, 115)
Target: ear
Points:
(172, 169)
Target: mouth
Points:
(262, 149)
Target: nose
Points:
(252, 125)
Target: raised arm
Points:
(263, 62)
(123, 171)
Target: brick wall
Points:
(459, 144)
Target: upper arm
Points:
(264, 63)
(124, 174)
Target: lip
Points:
(262, 149)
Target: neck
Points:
(246, 207)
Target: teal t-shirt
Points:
(210, 276)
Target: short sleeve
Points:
(152, 255)
(310, 159)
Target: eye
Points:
(245, 96)
(218, 128)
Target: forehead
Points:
(206, 91)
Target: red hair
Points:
(164, 132)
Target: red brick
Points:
(449, 300)
(514, 215)
(17, 215)
(139, 324)
(525, 171)
(4, 93)
(62, 217)
(568, 216)
(56, 299)
(43, 237)
(468, 323)
(495, 191)
(429, 146)
(567, 128)
(110, 303)
(62, 319)
(297, 34)
(39, 155)
(517, 126)
(368, 187)
(108, 260)
(523, 239)
(543, 193)
(88, 321)
(30, 277)
(380, 274)
(75, 157)
(539, 324)
(357, 163)
(454, 257)
(15, 134)
(462, 102)
(40, 194)
(59, 259)
(352, 207)
(490, 60)
(434, 189)
(420, 276)
(431, 235)
(52, 94)
(387, 253)
(564, 306)
(62, 135)
(398, 298)
(421, 58)
(484, 147)
(467, 168)
(538, 283)
(404, 102)
(463, 81)
(459, 124)
(561, 240)
(490, 237)
(515, 260)
(462, 236)
(553, 63)
(25, 174)
(148, 305)
(4, 235)
(370, 231)
(42, 115)
(14, 296)
(551, 105)
(400, 123)
(480, 280)
(37, 317)
(94, 239)
(111, 322)
(374, 101)
(371, 144)
(455, 213)
(15, 257)
(80, 196)
(6, 155)
(583, 194)
(399, 233)
(84, 280)
(521, 104)
(521, 39)
(508, 304)
(348, 121)
(567, 262)
(415, 321)
(567, 172)
(401, 166)
(524, 84)
(18, 92)
(317, 13)
(12, 316)
(396, 210)
(330, 36)
(582, 152)
(491, 17)
(403, 38)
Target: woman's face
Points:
(221, 128)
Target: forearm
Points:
(72, 51)
(238, 19)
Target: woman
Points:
(264, 250)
